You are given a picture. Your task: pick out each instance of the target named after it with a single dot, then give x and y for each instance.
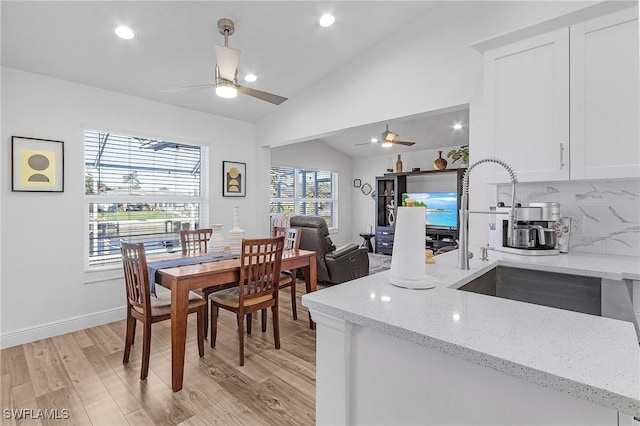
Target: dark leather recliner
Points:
(335, 266)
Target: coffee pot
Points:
(533, 232)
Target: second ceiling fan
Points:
(388, 138)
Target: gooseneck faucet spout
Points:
(464, 209)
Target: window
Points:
(305, 192)
(140, 190)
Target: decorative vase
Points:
(440, 163)
(399, 165)
(216, 243)
(235, 234)
(391, 207)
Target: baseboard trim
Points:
(44, 331)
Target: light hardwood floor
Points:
(83, 373)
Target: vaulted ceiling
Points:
(280, 41)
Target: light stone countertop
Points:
(593, 358)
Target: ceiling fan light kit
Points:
(225, 88)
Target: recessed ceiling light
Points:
(125, 33)
(250, 78)
(327, 20)
(457, 126)
(374, 140)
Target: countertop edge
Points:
(574, 388)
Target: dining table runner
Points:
(182, 261)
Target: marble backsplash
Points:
(609, 209)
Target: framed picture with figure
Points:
(234, 182)
(37, 165)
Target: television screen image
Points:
(441, 207)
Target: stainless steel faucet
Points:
(463, 258)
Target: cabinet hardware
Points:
(561, 156)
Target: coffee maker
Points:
(533, 231)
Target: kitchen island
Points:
(388, 355)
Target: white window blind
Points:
(305, 192)
(139, 190)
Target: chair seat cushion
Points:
(231, 297)
(161, 305)
(206, 291)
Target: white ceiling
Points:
(280, 42)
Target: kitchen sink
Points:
(570, 292)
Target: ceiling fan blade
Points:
(269, 97)
(227, 61)
(199, 86)
(403, 143)
(366, 143)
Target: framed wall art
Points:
(37, 165)
(366, 189)
(234, 180)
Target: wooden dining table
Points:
(181, 279)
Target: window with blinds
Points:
(139, 190)
(304, 192)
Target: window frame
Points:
(297, 199)
(202, 199)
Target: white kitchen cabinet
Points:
(527, 99)
(605, 126)
(564, 105)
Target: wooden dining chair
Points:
(195, 240)
(288, 279)
(257, 289)
(141, 306)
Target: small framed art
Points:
(37, 165)
(366, 189)
(357, 183)
(234, 179)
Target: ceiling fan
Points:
(388, 138)
(226, 82)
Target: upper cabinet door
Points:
(527, 100)
(605, 129)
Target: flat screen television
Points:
(441, 207)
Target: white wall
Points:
(318, 156)
(45, 290)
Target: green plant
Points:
(461, 153)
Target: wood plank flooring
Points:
(83, 373)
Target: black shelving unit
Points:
(391, 186)
(388, 189)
